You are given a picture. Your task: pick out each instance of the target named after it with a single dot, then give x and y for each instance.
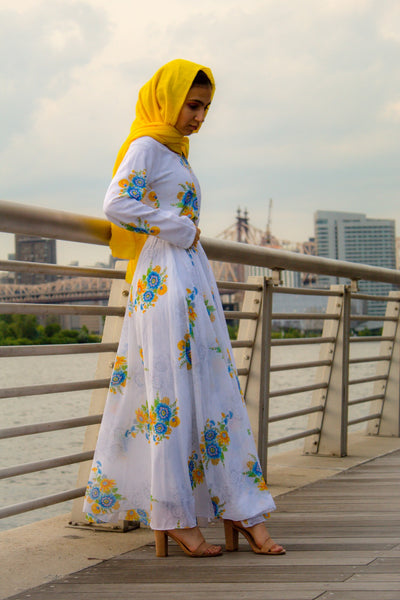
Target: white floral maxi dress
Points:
(175, 447)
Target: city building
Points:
(34, 249)
(354, 237)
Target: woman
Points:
(175, 448)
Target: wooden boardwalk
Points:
(343, 540)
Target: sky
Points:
(306, 110)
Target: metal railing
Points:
(328, 400)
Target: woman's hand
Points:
(196, 237)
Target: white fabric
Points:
(175, 447)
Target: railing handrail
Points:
(50, 223)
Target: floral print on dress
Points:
(216, 348)
(157, 422)
(141, 227)
(152, 199)
(233, 373)
(190, 296)
(119, 375)
(210, 308)
(255, 472)
(188, 201)
(218, 506)
(215, 440)
(134, 186)
(196, 470)
(101, 494)
(184, 162)
(191, 252)
(138, 515)
(185, 354)
(149, 287)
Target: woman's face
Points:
(194, 109)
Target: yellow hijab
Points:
(157, 111)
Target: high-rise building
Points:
(34, 249)
(354, 237)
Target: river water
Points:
(37, 370)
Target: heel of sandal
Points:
(231, 536)
(161, 538)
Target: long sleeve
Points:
(131, 200)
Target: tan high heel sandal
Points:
(232, 531)
(202, 551)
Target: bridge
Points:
(71, 289)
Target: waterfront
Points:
(36, 370)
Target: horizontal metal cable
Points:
(305, 316)
(43, 465)
(49, 223)
(54, 388)
(368, 379)
(358, 296)
(243, 371)
(242, 343)
(305, 365)
(19, 266)
(298, 390)
(295, 436)
(371, 318)
(239, 285)
(356, 361)
(300, 341)
(57, 349)
(9, 308)
(296, 413)
(304, 292)
(372, 338)
(364, 419)
(17, 509)
(238, 314)
(366, 399)
(12, 432)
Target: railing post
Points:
(332, 440)
(255, 385)
(389, 408)
(265, 360)
(111, 333)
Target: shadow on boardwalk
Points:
(342, 535)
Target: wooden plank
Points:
(340, 543)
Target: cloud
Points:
(44, 45)
(306, 111)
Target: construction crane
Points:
(268, 229)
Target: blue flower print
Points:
(215, 440)
(134, 186)
(153, 279)
(163, 412)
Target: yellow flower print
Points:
(120, 375)
(196, 470)
(138, 515)
(255, 472)
(150, 286)
(141, 227)
(185, 356)
(223, 438)
(152, 196)
(107, 484)
(102, 494)
(134, 186)
(157, 421)
(141, 416)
